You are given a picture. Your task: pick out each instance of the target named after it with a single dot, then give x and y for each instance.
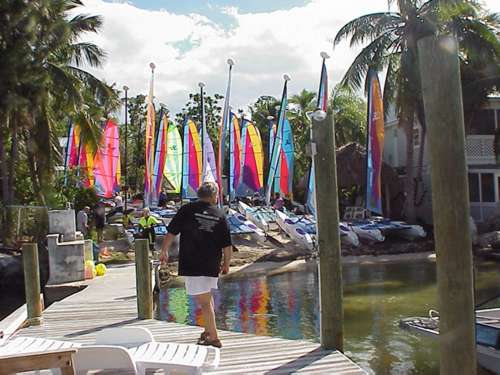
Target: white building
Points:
(484, 171)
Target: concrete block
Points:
(66, 260)
(63, 222)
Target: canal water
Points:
(376, 297)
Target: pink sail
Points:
(160, 156)
(107, 171)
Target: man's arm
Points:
(228, 252)
(167, 242)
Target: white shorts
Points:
(200, 284)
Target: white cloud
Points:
(190, 48)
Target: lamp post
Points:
(125, 88)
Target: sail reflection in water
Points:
(376, 296)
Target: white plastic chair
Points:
(149, 354)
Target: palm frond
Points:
(84, 23)
(86, 53)
(374, 55)
(368, 27)
(391, 83)
(65, 84)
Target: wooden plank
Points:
(12, 323)
(62, 359)
(101, 305)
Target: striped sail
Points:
(226, 118)
(149, 147)
(323, 105)
(210, 161)
(86, 163)
(252, 171)
(191, 161)
(107, 171)
(375, 144)
(275, 155)
(234, 155)
(160, 157)
(173, 164)
(286, 163)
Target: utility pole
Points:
(327, 211)
(442, 93)
(125, 88)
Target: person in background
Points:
(205, 241)
(99, 221)
(82, 221)
(118, 203)
(147, 223)
(162, 199)
(278, 202)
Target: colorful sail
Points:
(375, 144)
(252, 171)
(72, 146)
(234, 155)
(323, 105)
(149, 148)
(226, 117)
(275, 156)
(173, 164)
(107, 171)
(287, 162)
(210, 161)
(160, 157)
(323, 88)
(191, 161)
(86, 163)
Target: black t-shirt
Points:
(204, 233)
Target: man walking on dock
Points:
(204, 238)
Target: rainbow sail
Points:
(275, 156)
(173, 164)
(72, 146)
(286, 162)
(160, 157)
(86, 162)
(252, 175)
(375, 144)
(210, 162)
(149, 148)
(191, 161)
(234, 155)
(107, 162)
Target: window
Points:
(487, 187)
(474, 187)
(483, 122)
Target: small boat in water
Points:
(487, 332)
(348, 236)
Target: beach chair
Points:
(126, 348)
(149, 354)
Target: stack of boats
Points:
(302, 228)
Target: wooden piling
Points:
(32, 283)
(327, 211)
(442, 93)
(143, 280)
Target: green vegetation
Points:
(390, 41)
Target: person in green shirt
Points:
(147, 223)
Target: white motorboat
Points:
(487, 333)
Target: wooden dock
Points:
(110, 301)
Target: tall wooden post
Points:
(327, 211)
(143, 280)
(442, 92)
(32, 283)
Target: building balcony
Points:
(480, 149)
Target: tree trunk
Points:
(37, 189)
(409, 182)
(4, 168)
(13, 160)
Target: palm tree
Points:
(391, 39)
(43, 58)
